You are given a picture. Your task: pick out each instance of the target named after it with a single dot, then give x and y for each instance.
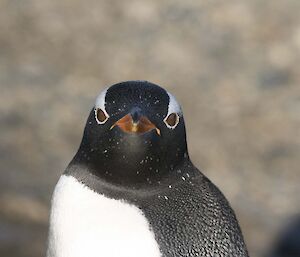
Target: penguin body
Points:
(91, 224)
(131, 189)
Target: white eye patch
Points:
(101, 115)
(174, 112)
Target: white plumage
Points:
(84, 223)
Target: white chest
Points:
(86, 224)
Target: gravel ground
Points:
(234, 66)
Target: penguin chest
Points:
(85, 223)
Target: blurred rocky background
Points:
(234, 66)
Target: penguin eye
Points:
(101, 116)
(172, 120)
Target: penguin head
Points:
(134, 133)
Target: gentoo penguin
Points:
(131, 190)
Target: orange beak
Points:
(143, 125)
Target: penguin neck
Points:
(131, 167)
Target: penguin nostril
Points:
(135, 117)
(136, 114)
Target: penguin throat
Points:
(131, 167)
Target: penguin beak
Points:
(135, 123)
